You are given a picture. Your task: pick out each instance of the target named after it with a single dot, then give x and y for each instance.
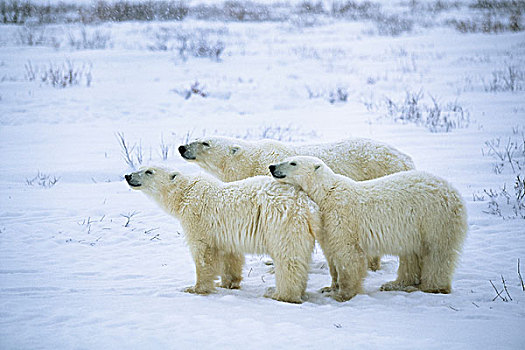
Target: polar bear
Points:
(223, 221)
(358, 158)
(412, 214)
(232, 159)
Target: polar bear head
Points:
(303, 171)
(160, 184)
(222, 156)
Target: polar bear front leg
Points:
(205, 258)
(333, 273)
(231, 270)
(374, 263)
(351, 265)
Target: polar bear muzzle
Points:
(132, 181)
(276, 172)
(186, 152)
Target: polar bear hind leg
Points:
(408, 275)
(436, 271)
(231, 270)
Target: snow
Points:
(74, 275)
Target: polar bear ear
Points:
(234, 150)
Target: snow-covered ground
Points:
(87, 263)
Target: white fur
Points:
(413, 214)
(358, 158)
(223, 221)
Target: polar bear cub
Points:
(414, 215)
(223, 221)
(358, 158)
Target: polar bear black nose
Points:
(182, 149)
(272, 168)
(127, 177)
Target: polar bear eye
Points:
(173, 176)
(206, 144)
(149, 172)
(293, 163)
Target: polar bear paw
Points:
(198, 290)
(396, 286)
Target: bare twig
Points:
(151, 230)
(164, 148)
(128, 217)
(505, 287)
(126, 150)
(521, 279)
(498, 293)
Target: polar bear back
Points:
(256, 215)
(358, 158)
(400, 212)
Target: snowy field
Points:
(86, 263)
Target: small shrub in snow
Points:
(164, 148)
(31, 35)
(510, 154)
(43, 180)
(201, 47)
(393, 25)
(437, 117)
(362, 10)
(310, 7)
(506, 204)
(441, 118)
(492, 17)
(488, 24)
(510, 78)
(60, 75)
(246, 11)
(133, 155)
(340, 94)
(279, 133)
(337, 94)
(195, 89)
(89, 41)
(161, 40)
(194, 43)
(15, 11)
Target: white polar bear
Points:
(222, 221)
(232, 159)
(358, 158)
(415, 215)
